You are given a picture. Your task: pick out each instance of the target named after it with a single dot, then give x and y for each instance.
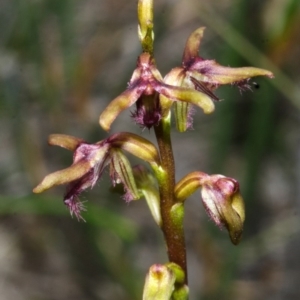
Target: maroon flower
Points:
(224, 204)
(221, 199)
(204, 76)
(144, 87)
(89, 161)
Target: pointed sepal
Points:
(65, 141)
(178, 88)
(87, 158)
(64, 176)
(191, 50)
(116, 106)
(209, 71)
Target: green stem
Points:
(172, 222)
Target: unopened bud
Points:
(145, 27)
(159, 283)
(224, 204)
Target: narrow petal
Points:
(187, 95)
(64, 176)
(211, 72)
(192, 46)
(65, 141)
(123, 101)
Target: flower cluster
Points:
(192, 84)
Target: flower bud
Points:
(159, 283)
(181, 293)
(224, 204)
(179, 273)
(221, 199)
(145, 27)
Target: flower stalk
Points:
(172, 221)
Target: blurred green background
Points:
(61, 62)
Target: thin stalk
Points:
(171, 227)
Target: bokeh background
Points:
(61, 62)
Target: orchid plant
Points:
(155, 97)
